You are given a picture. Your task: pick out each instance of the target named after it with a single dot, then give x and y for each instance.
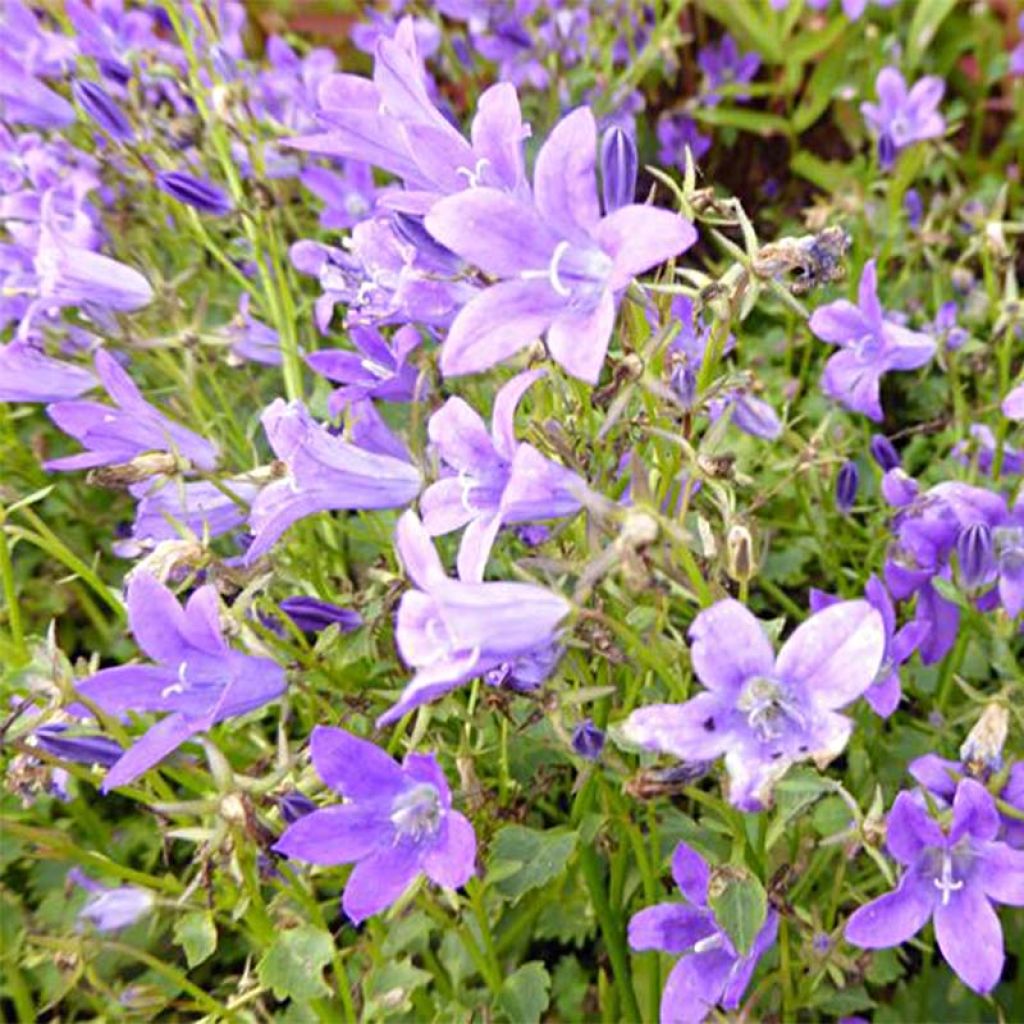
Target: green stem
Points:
(11, 595)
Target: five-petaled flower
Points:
(901, 116)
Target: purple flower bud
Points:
(295, 805)
(410, 229)
(899, 489)
(886, 151)
(883, 451)
(618, 169)
(975, 554)
(81, 749)
(312, 615)
(200, 195)
(103, 110)
(588, 740)
(684, 382)
(914, 207)
(115, 70)
(847, 483)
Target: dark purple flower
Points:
(870, 344)
(560, 266)
(200, 195)
(115, 435)
(953, 877)
(82, 748)
(95, 101)
(588, 740)
(312, 615)
(902, 117)
(975, 554)
(619, 166)
(981, 449)
(914, 207)
(763, 712)
(847, 485)
(198, 679)
(723, 64)
(397, 823)
(883, 451)
(710, 971)
(678, 132)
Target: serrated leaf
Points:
(537, 858)
(740, 906)
(293, 966)
(196, 933)
(524, 993)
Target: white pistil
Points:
(180, 686)
(474, 175)
(709, 942)
(946, 884)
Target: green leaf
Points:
(196, 933)
(828, 175)
(928, 17)
(949, 590)
(740, 906)
(524, 994)
(293, 966)
(757, 122)
(523, 858)
(821, 87)
(390, 988)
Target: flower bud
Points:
(975, 555)
(982, 751)
(295, 805)
(847, 483)
(886, 152)
(883, 451)
(899, 489)
(588, 740)
(312, 615)
(103, 110)
(739, 548)
(200, 195)
(83, 749)
(618, 169)
(683, 380)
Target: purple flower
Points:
(82, 748)
(560, 264)
(109, 909)
(114, 435)
(946, 328)
(914, 207)
(588, 740)
(870, 345)
(981, 448)
(723, 64)
(1017, 53)
(396, 824)
(1013, 404)
(295, 805)
(847, 484)
(490, 478)
(451, 631)
(953, 877)
(251, 338)
(677, 131)
(200, 195)
(27, 375)
(377, 369)
(710, 970)
(198, 679)
(98, 104)
(323, 472)
(25, 100)
(884, 692)
(883, 451)
(901, 118)
(312, 615)
(765, 713)
(349, 195)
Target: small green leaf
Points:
(928, 17)
(757, 122)
(196, 933)
(524, 994)
(293, 966)
(523, 858)
(949, 590)
(740, 906)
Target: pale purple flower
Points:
(1017, 53)
(116, 434)
(451, 631)
(197, 679)
(109, 909)
(27, 375)
(348, 195)
(323, 472)
(1013, 404)
(710, 971)
(491, 479)
(26, 100)
(561, 265)
(396, 824)
(953, 876)
(250, 338)
(946, 329)
(724, 65)
(901, 116)
(763, 712)
(870, 346)
(981, 450)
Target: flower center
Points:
(180, 686)
(708, 943)
(474, 175)
(416, 812)
(767, 706)
(946, 883)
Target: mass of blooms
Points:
(512, 510)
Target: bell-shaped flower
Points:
(396, 824)
(197, 679)
(451, 631)
(763, 712)
(901, 116)
(491, 478)
(954, 873)
(560, 265)
(323, 472)
(27, 375)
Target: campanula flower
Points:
(676, 132)
(192, 191)
(27, 375)
(901, 116)
(954, 873)
(588, 740)
(82, 748)
(870, 346)
(109, 909)
(561, 265)
(491, 478)
(981, 448)
(763, 712)
(396, 824)
(723, 64)
(197, 679)
(1017, 53)
(295, 805)
(451, 631)
(323, 473)
(102, 108)
(710, 971)
(251, 338)
(883, 451)
(847, 485)
(117, 434)
(619, 165)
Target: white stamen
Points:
(556, 258)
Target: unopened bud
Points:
(618, 169)
(883, 451)
(847, 483)
(982, 751)
(142, 467)
(639, 529)
(588, 740)
(975, 555)
(739, 547)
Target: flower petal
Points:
(698, 730)
(337, 835)
(452, 861)
(893, 918)
(166, 736)
(565, 174)
(839, 322)
(728, 646)
(378, 880)
(579, 343)
(353, 767)
(639, 237)
(974, 812)
(970, 938)
(691, 873)
(670, 927)
(694, 987)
